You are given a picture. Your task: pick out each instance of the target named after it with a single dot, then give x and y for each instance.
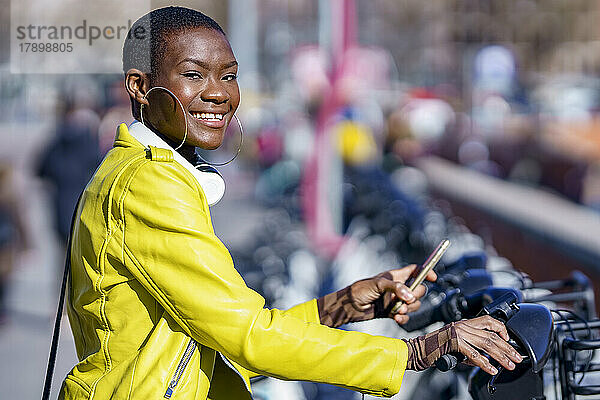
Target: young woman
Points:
(156, 306)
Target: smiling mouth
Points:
(209, 117)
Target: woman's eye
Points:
(192, 75)
(230, 77)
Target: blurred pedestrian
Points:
(69, 162)
(14, 235)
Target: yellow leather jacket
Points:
(158, 310)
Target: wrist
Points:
(339, 308)
(424, 350)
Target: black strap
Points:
(59, 311)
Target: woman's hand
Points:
(389, 287)
(467, 337)
(373, 298)
(489, 335)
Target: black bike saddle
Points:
(530, 327)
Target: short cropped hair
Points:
(145, 44)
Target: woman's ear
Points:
(137, 84)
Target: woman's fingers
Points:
(410, 299)
(401, 291)
(489, 335)
(413, 306)
(402, 274)
(491, 324)
(476, 358)
(393, 281)
(431, 276)
(420, 291)
(494, 346)
(401, 318)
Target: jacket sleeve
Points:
(170, 247)
(307, 311)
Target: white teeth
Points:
(208, 116)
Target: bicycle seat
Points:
(531, 328)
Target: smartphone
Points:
(418, 275)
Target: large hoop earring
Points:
(204, 162)
(182, 109)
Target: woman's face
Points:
(200, 69)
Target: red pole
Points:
(316, 207)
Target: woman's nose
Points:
(214, 92)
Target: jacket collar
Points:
(211, 182)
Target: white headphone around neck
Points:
(208, 177)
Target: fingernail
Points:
(494, 371)
(511, 365)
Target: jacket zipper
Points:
(185, 359)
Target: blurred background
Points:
(372, 130)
